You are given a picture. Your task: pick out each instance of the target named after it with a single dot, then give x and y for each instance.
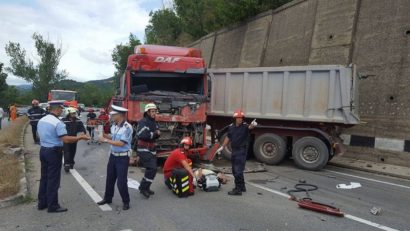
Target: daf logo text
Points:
(161, 59)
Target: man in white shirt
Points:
(1, 115)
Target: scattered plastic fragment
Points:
(352, 185)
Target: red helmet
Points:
(35, 101)
(238, 114)
(187, 140)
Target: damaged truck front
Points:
(175, 80)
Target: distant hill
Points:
(70, 84)
(24, 87)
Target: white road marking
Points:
(369, 179)
(358, 219)
(269, 190)
(348, 216)
(91, 192)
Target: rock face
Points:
(372, 34)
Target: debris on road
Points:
(308, 203)
(375, 210)
(352, 185)
(133, 183)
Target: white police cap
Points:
(117, 109)
(55, 103)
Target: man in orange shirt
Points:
(13, 112)
(179, 159)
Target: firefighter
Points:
(179, 159)
(73, 126)
(52, 132)
(147, 133)
(35, 114)
(238, 135)
(117, 167)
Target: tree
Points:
(43, 75)
(164, 28)
(3, 77)
(121, 52)
(200, 17)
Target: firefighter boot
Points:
(67, 168)
(235, 192)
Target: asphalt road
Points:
(264, 206)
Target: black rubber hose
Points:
(303, 187)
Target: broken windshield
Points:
(166, 84)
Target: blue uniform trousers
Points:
(51, 159)
(117, 170)
(238, 160)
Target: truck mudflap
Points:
(338, 146)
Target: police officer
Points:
(148, 132)
(73, 126)
(117, 167)
(53, 134)
(35, 114)
(238, 135)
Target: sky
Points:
(87, 29)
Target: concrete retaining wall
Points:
(373, 34)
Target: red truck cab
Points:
(175, 79)
(69, 97)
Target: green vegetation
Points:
(43, 75)
(190, 20)
(121, 52)
(10, 171)
(91, 93)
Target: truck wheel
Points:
(227, 151)
(269, 149)
(310, 153)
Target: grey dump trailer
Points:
(300, 110)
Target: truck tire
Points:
(269, 149)
(227, 151)
(310, 153)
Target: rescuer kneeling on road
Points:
(74, 126)
(238, 135)
(117, 167)
(178, 161)
(148, 132)
(53, 134)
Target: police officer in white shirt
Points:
(117, 167)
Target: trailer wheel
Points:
(270, 149)
(310, 153)
(227, 151)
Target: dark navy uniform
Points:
(147, 135)
(35, 114)
(239, 136)
(117, 167)
(50, 130)
(73, 128)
